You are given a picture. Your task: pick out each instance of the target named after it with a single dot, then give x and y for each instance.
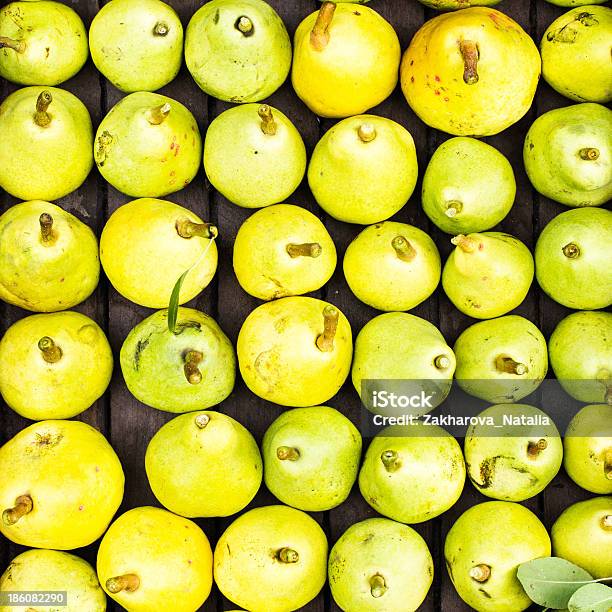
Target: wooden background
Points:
(129, 425)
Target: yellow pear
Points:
(345, 60)
(54, 366)
(147, 244)
(152, 560)
(48, 258)
(61, 485)
(473, 72)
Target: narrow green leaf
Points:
(594, 597)
(173, 306)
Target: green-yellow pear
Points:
(364, 169)
(41, 43)
(147, 244)
(575, 2)
(452, 5)
(472, 72)
(412, 474)
(295, 351)
(398, 346)
(392, 266)
(54, 366)
(254, 155)
(572, 258)
(61, 485)
(148, 145)
(576, 54)
(483, 550)
(580, 352)
(501, 360)
(583, 535)
(487, 274)
(237, 50)
(191, 459)
(378, 565)
(508, 464)
(189, 368)
(48, 129)
(468, 186)
(51, 570)
(283, 250)
(587, 448)
(345, 60)
(151, 559)
(137, 44)
(48, 258)
(311, 458)
(271, 559)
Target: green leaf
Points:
(173, 306)
(592, 597)
(551, 581)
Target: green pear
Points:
(148, 145)
(580, 352)
(271, 559)
(254, 155)
(501, 360)
(453, 5)
(48, 258)
(412, 474)
(41, 43)
(151, 559)
(392, 266)
(587, 449)
(468, 186)
(576, 54)
(51, 570)
(568, 154)
(583, 535)
(237, 50)
(283, 250)
(575, 2)
(190, 368)
(572, 258)
(48, 129)
(137, 44)
(295, 351)
(147, 244)
(311, 458)
(379, 565)
(61, 485)
(54, 366)
(364, 169)
(401, 347)
(488, 274)
(190, 460)
(483, 550)
(510, 466)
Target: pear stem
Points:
(390, 460)
(442, 362)
(608, 463)
(244, 25)
(535, 448)
(289, 453)
(606, 522)
(589, 154)
(403, 249)
(509, 366)
(202, 420)
(571, 250)
(480, 573)
(10, 43)
(188, 229)
(465, 243)
(453, 207)
(157, 115)
(23, 505)
(46, 228)
(50, 351)
(161, 29)
(128, 583)
(366, 132)
(469, 52)
(325, 342)
(378, 586)
(288, 555)
(192, 372)
(308, 249)
(268, 125)
(41, 116)
(319, 36)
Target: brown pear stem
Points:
(307, 249)
(244, 25)
(571, 250)
(192, 372)
(50, 351)
(608, 463)
(268, 125)
(366, 132)
(202, 420)
(480, 573)
(161, 29)
(10, 43)
(41, 116)
(188, 229)
(157, 115)
(288, 555)
(535, 448)
(442, 362)
(23, 505)
(46, 228)
(453, 207)
(589, 154)
(325, 342)
(403, 249)
(319, 36)
(378, 586)
(469, 52)
(606, 522)
(465, 243)
(390, 460)
(287, 453)
(509, 366)
(128, 583)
